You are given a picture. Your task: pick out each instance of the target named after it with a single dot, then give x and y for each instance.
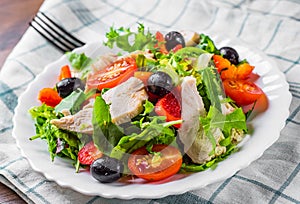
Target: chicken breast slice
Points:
(196, 144)
(79, 122)
(126, 100)
(191, 108)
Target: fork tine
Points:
(64, 30)
(62, 49)
(54, 33)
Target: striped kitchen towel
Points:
(273, 26)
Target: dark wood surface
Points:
(14, 18)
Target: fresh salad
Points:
(165, 104)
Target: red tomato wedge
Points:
(153, 167)
(111, 76)
(230, 71)
(169, 106)
(49, 96)
(88, 153)
(241, 91)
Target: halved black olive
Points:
(66, 86)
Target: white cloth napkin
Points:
(272, 26)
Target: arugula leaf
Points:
(122, 38)
(155, 132)
(213, 86)
(207, 44)
(215, 119)
(191, 167)
(106, 134)
(60, 143)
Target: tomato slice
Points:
(165, 162)
(170, 107)
(230, 71)
(111, 76)
(88, 153)
(241, 91)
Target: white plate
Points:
(267, 127)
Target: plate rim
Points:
(158, 193)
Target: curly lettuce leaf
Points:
(130, 41)
(78, 61)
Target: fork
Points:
(54, 33)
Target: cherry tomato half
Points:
(241, 91)
(111, 76)
(89, 153)
(231, 71)
(165, 162)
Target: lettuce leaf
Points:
(106, 134)
(130, 41)
(207, 44)
(60, 143)
(72, 102)
(78, 61)
(155, 132)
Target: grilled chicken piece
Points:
(196, 144)
(126, 100)
(79, 122)
(192, 108)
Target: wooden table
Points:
(14, 18)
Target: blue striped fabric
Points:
(272, 26)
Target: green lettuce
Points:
(60, 143)
(155, 132)
(78, 61)
(207, 44)
(72, 102)
(121, 37)
(106, 134)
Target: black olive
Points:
(174, 38)
(230, 54)
(66, 86)
(106, 169)
(159, 84)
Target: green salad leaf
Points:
(207, 44)
(212, 164)
(78, 61)
(157, 131)
(72, 102)
(122, 38)
(106, 134)
(213, 86)
(60, 143)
